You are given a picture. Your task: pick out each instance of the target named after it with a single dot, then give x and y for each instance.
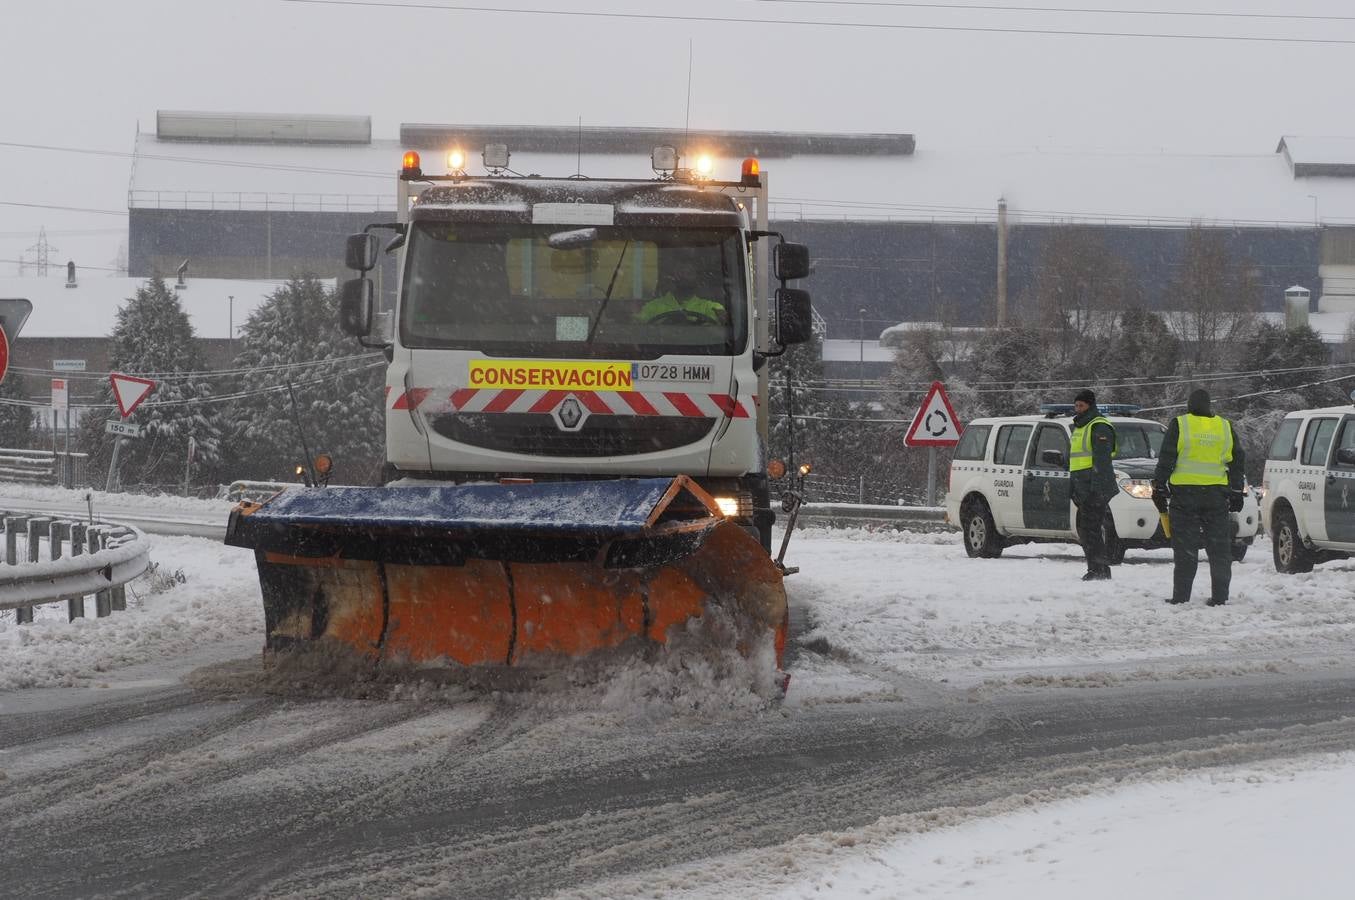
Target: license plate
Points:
(669, 372)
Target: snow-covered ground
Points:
(893, 615)
(1252, 833)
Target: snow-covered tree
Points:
(16, 422)
(294, 337)
(153, 338)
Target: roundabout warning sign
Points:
(935, 424)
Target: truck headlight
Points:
(739, 506)
(1139, 488)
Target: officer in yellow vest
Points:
(1092, 470)
(1199, 478)
(684, 305)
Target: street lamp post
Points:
(1316, 220)
(230, 323)
(861, 347)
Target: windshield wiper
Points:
(593, 328)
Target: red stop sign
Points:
(4, 354)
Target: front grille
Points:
(536, 434)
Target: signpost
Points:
(935, 425)
(61, 396)
(129, 391)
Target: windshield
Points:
(1138, 440)
(552, 290)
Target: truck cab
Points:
(572, 328)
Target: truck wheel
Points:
(1291, 557)
(1239, 550)
(980, 532)
(1115, 547)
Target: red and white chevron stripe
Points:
(600, 403)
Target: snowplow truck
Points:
(575, 424)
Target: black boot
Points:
(1174, 601)
(1213, 602)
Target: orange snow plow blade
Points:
(496, 574)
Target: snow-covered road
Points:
(927, 689)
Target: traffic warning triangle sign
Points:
(935, 424)
(129, 391)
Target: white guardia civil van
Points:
(1009, 484)
(1308, 489)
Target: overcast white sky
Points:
(83, 74)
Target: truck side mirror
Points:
(1346, 456)
(356, 301)
(361, 252)
(794, 317)
(790, 261)
(1052, 458)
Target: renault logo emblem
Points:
(569, 414)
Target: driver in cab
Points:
(683, 304)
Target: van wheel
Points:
(1115, 547)
(980, 533)
(1291, 557)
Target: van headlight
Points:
(1138, 488)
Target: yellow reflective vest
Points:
(1080, 445)
(1204, 447)
(707, 309)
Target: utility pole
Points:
(230, 323)
(1002, 262)
(861, 347)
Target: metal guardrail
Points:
(925, 518)
(42, 466)
(102, 558)
(253, 491)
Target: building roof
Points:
(1309, 156)
(90, 309)
(269, 128)
(640, 141)
(811, 176)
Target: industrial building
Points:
(900, 230)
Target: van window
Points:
(1051, 437)
(973, 442)
(1011, 445)
(1135, 440)
(1285, 445)
(1317, 441)
(1345, 442)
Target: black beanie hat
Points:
(1086, 397)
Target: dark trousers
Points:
(1199, 518)
(1091, 513)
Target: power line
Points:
(79, 209)
(206, 401)
(888, 26)
(906, 4)
(1266, 393)
(229, 163)
(204, 375)
(1002, 387)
